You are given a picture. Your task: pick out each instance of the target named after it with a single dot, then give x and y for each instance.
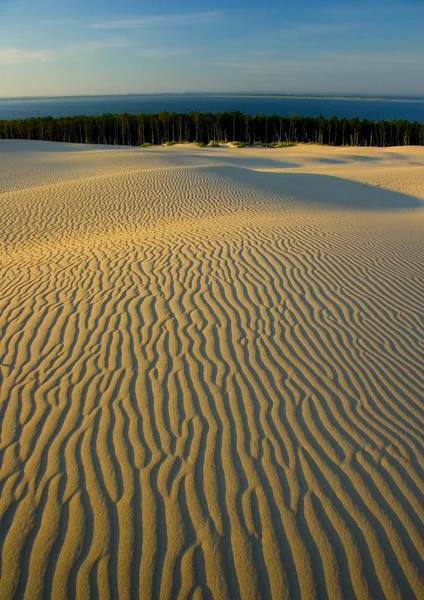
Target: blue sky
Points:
(57, 47)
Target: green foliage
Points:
(213, 144)
(202, 128)
(166, 144)
(283, 144)
(200, 144)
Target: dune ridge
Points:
(210, 377)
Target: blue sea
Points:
(411, 109)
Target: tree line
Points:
(163, 127)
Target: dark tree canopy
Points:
(135, 130)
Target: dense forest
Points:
(139, 129)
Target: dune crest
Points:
(210, 375)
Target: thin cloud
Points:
(162, 53)
(21, 55)
(360, 62)
(16, 55)
(64, 22)
(320, 29)
(161, 21)
(152, 21)
(97, 45)
(293, 32)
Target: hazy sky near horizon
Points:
(57, 47)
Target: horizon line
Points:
(350, 95)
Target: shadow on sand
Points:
(324, 190)
(12, 146)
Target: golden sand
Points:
(211, 372)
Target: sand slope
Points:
(211, 373)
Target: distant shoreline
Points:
(356, 97)
(374, 108)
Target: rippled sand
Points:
(211, 372)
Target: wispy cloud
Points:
(161, 53)
(22, 55)
(322, 29)
(324, 61)
(152, 21)
(307, 32)
(17, 55)
(63, 22)
(97, 45)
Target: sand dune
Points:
(211, 372)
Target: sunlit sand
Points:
(211, 372)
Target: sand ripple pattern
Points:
(207, 391)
